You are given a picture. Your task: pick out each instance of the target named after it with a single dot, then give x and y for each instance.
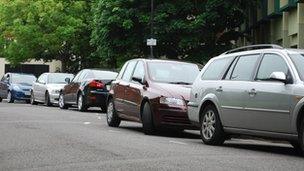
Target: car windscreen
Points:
(103, 75)
(298, 60)
(59, 78)
(23, 79)
(173, 72)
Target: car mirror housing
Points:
(139, 80)
(67, 80)
(279, 76)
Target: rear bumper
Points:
(97, 99)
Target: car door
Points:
(268, 102)
(231, 91)
(133, 93)
(38, 87)
(118, 90)
(69, 88)
(123, 85)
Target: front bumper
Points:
(21, 95)
(54, 98)
(172, 117)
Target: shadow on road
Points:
(275, 149)
(165, 133)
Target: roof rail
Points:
(253, 47)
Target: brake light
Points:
(96, 84)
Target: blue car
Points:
(16, 86)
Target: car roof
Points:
(20, 73)
(163, 60)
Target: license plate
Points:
(108, 87)
(27, 93)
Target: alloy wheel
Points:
(61, 101)
(208, 125)
(80, 100)
(110, 112)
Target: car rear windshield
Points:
(59, 78)
(23, 79)
(103, 75)
(298, 60)
(173, 72)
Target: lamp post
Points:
(151, 27)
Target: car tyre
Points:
(10, 97)
(47, 100)
(147, 120)
(81, 105)
(61, 102)
(211, 129)
(301, 138)
(32, 100)
(0, 99)
(113, 119)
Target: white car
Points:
(47, 88)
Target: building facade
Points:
(31, 67)
(277, 22)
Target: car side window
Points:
(122, 71)
(271, 63)
(139, 71)
(76, 78)
(83, 75)
(244, 68)
(129, 71)
(42, 79)
(216, 68)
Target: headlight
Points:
(17, 88)
(172, 101)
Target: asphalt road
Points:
(47, 138)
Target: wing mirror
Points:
(279, 76)
(139, 80)
(67, 80)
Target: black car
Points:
(89, 88)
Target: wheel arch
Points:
(209, 99)
(142, 104)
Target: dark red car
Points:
(89, 88)
(153, 92)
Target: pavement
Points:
(48, 138)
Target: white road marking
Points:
(87, 123)
(114, 131)
(177, 142)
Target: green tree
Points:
(191, 30)
(47, 30)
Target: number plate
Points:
(27, 93)
(108, 87)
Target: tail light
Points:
(96, 84)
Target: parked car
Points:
(153, 92)
(89, 88)
(16, 86)
(255, 90)
(47, 87)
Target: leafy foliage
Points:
(46, 29)
(191, 30)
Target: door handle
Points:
(219, 89)
(252, 92)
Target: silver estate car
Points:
(254, 90)
(47, 88)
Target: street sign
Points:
(151, 42)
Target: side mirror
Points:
(137, 79)
(67, 80)
(278, 76)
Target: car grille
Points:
(26, 89)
